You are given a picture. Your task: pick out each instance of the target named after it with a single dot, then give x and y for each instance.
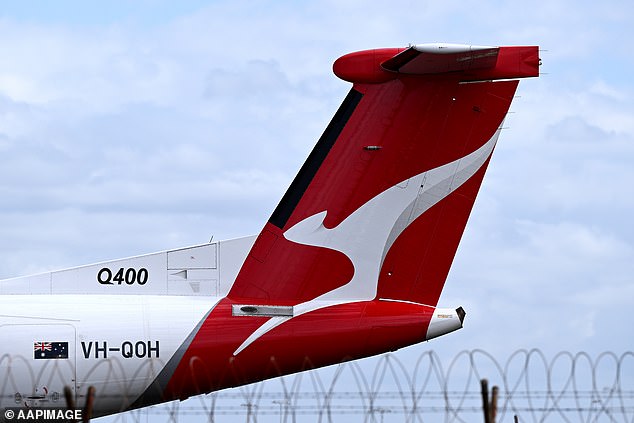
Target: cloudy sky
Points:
(132, 127)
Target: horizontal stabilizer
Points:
(463, 62)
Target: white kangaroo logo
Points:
(367, 235)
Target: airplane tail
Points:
(379, 207)
(354, 258)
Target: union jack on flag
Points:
(50, 350)
(42, 346)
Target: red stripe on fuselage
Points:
(319, 338)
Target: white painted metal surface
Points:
(448, 48)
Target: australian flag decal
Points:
(50, 350)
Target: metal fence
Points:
(567, 387)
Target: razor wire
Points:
(568, 387)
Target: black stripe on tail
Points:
(306, 174)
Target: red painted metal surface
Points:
(419, 125)
(326, 336)
(365, 66)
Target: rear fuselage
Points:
(141, 350)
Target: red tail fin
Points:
(376, 212)
(379, 207)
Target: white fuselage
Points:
(118, 323)
(118, 344)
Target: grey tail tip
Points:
(461, 314)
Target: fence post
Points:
(484, 388)
(494, 403)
